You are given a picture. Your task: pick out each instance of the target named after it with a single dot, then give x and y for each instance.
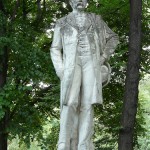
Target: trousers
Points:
(76, 120)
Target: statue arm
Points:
(55, 51)
(112, 40)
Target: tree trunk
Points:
(24, 11)
(4, 120)
(3, 75)
(3, 133)
(132, 78)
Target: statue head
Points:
(78, 4)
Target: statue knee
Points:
(72, 105)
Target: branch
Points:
(13, 16)
(24, 11)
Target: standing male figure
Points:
(82, 43)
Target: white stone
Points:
(82, 45)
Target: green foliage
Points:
(144, 139)
(31, 95)
(30, 76)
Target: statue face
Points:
(78, 4)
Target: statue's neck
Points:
(80, 18)
(79, 12)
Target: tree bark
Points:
(3, 75)
(4, 120)
(24, 11)
(3, 132)
(132, 78)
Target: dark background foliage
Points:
(30, 97)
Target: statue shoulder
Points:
(95, 16)
(96, 19)
(61, 22)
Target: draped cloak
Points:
(102, 40)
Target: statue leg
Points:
(74, 135)
(68, 136)
(86, 124)
(86, 128)
(66, 123)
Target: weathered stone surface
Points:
(83, 68)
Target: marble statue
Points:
(82, 45)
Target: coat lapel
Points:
(71, 21)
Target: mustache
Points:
(79, 4)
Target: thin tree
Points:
(3, 76)
(132, 78)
